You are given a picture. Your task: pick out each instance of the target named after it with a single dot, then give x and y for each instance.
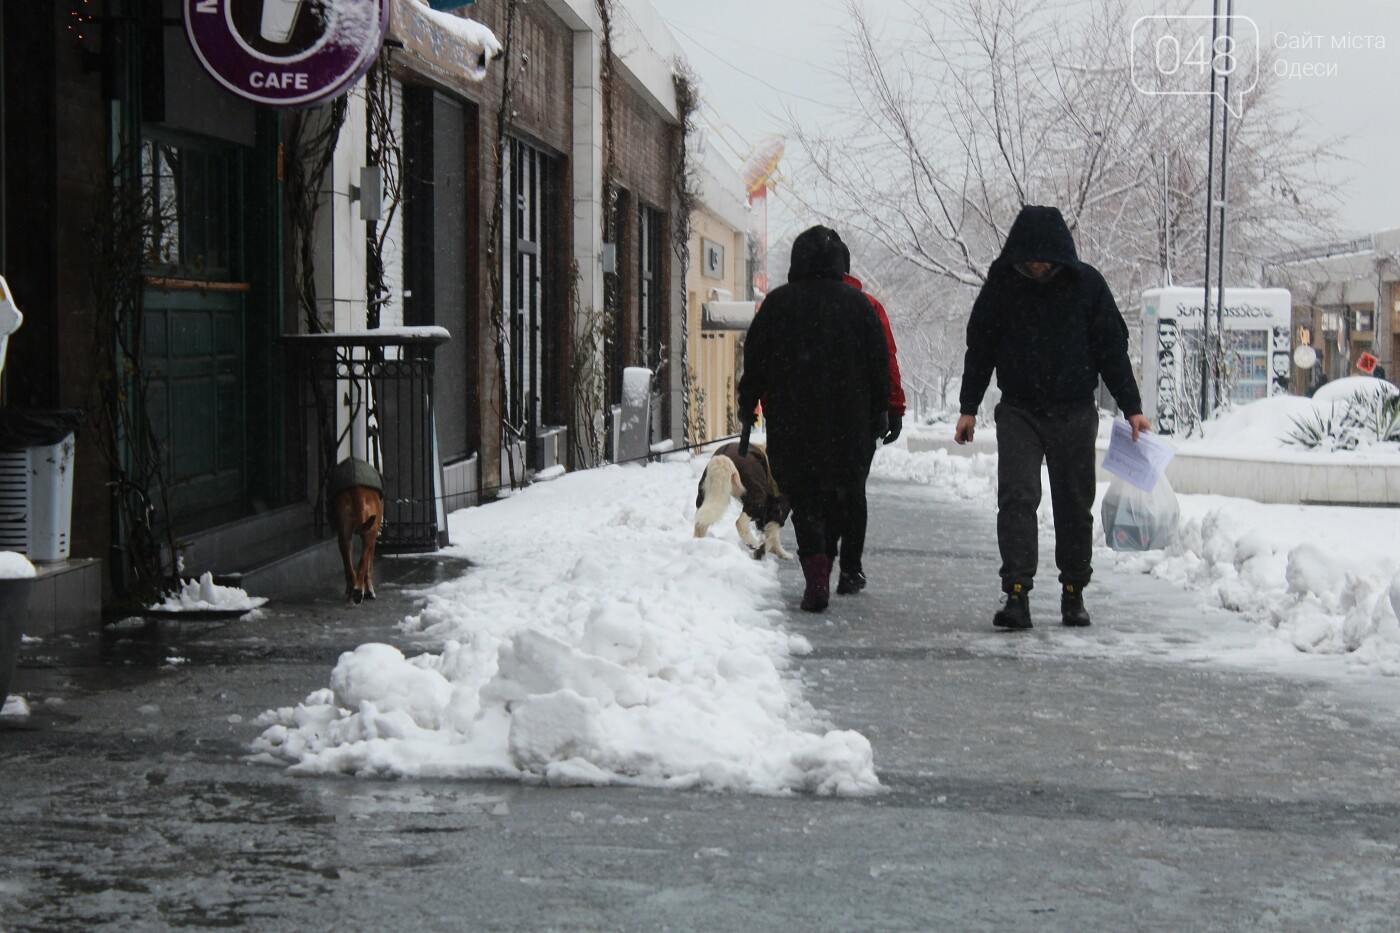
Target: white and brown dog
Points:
(750, 480)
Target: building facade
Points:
(720, 296)
(1346, 302)
(523, 185)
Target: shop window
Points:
(651, 288)
(185, 196)
(532, 303)
(1363, 321)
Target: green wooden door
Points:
(194, 356)
(194, 328)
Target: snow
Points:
(15, 705)
(636, 386)
(594, 641)
(1312, 580)
(1340, 390)
(1260, 430)
(204, 595)
(15, 566)
(474, 35)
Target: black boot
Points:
(1016, 612)
(850, 583)
(1072, 611)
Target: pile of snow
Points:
(1325, 580)
(1262, 429)
(595, 641)
(204, 595)
(972, 477)
(15, 566)
(15, 705)
(1343, 390)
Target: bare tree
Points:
(964, 111)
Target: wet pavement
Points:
(1117, 778)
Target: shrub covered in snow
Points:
(1369, 413)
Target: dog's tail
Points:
(721, 481)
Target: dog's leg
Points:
(746, 534)
(720, 480)
(369, 538)
(772, 541)
(344, 532)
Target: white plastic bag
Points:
(1134, 520)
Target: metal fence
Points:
(370, 395)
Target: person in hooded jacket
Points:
(816, 356)
(1047, 325)
(847, 544)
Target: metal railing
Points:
(369, 394)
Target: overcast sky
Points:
(757, 59)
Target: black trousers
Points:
(1065, 444)
(847, 539)
(828, 517)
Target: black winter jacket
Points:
(1048, 341)
(815, 355)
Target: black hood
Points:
(817, 253)
(1039, 235)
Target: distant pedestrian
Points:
(816, 356)
(1047, 324)
(1379, 371)
(847, 544)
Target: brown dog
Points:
(748, 479)
(357, 506)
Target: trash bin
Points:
(16, 580)
(36, 481)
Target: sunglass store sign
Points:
(286, 53)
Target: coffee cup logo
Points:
(279, 18)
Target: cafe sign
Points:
(286, 53)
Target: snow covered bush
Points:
(1370, 414)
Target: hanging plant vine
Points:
(596, 330)
(385, 153)
(685, 198)
(125, 240)
(495, 285)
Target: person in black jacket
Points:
(1047, 324)
(815, 355)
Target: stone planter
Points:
(14, 612)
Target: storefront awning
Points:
(451, 48)
(727, 315)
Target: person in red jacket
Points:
(852, 579)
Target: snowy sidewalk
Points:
(1123, 777)
(595, 641)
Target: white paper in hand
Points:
(1139, 462)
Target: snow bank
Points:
(595, 642)
(204, 595)
(972, 477)
(1322, 579)
(1261, 430)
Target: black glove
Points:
(882, 424)
(896, 425)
